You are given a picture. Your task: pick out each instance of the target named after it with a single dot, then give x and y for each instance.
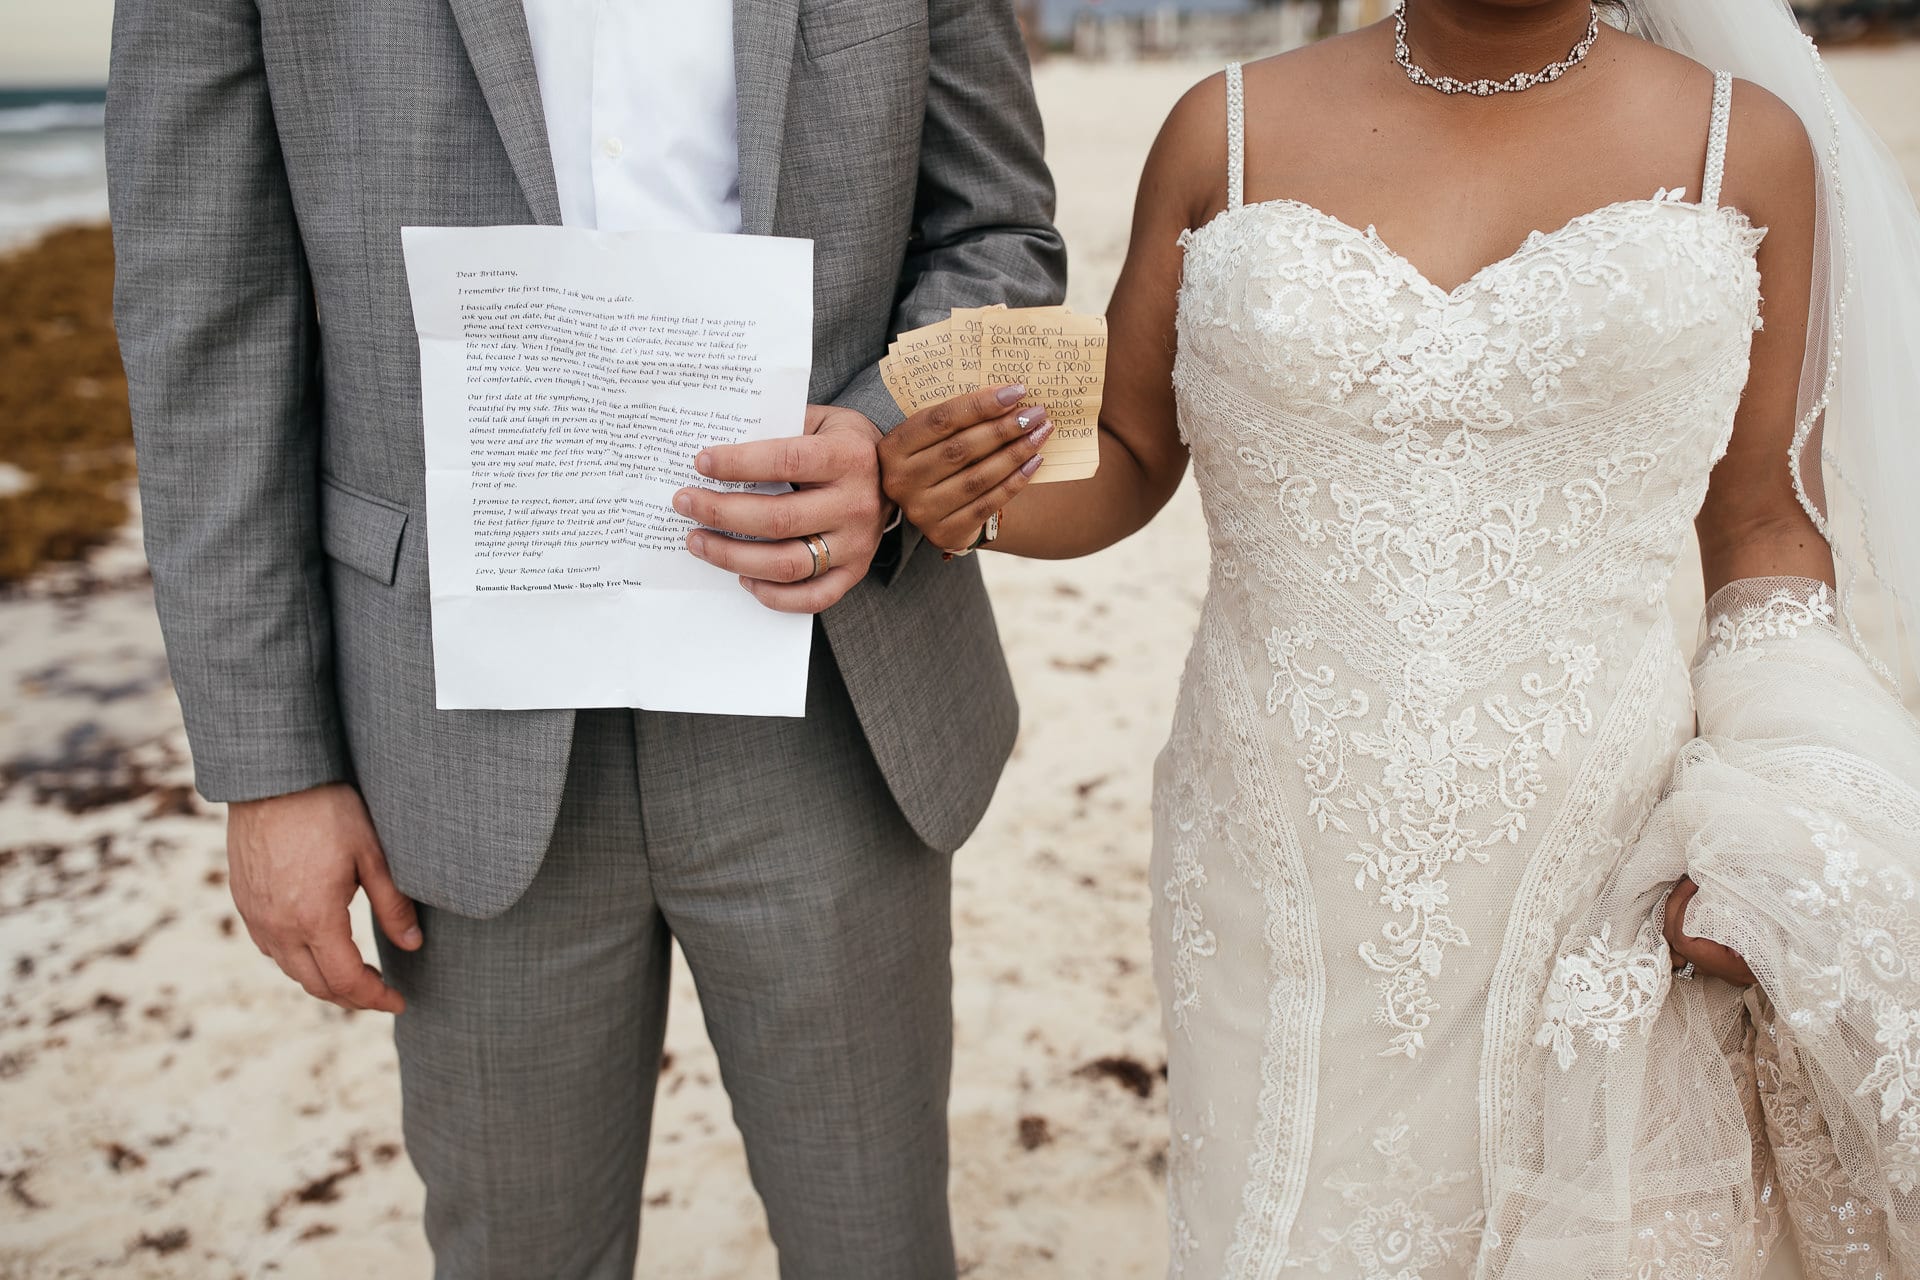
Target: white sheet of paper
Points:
(568, 378)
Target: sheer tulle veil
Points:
(1686, 1148)
(1856, 456)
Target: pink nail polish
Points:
(1033, 465)
(1038, 436)
(1012, 395)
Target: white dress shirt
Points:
(640, 104)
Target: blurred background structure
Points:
(171, 1107)
(1223, 29)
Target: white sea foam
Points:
(44, 117)
(50, 177)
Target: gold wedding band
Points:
(816, 545)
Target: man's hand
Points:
(294, 863)
(1709, 958)
(836, 494)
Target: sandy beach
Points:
(170, 1106)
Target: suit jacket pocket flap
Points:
(361, 531)
(839, 25)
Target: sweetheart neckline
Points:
(1661, 199)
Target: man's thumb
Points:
(392, 909)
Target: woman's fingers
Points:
(966, 520)
(976, 444)
(905, 473)
(1719, 962)
(1677, 901)
(1706, 956)
(933, 425)
(958, 491)
(950, 508)
(957, 463)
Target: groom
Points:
(264, 155)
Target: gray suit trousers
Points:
(816, 924)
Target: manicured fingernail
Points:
(1026, 419)
(1033, 464)
(697, 543)
(1013, 395)
(683, 502)
(704, 464)
(1038, 436)
(411, 938)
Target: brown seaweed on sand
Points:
(64, 424)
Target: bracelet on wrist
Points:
(988, 532)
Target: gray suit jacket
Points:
(263, 156)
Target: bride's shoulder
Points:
(1667, 76)
(1302, 86)
(1337, 57)
(1771, 173)
(1769, 135)
(1286, 89)
(1769, 157)
(1186, 170)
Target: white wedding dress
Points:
(1431, 770)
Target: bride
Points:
(1495, 939)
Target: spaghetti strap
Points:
(1717, 138)
(1236, 138)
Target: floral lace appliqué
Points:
(1191, 942)
(1600, 991)
(1782, 613)
(1396, 1230)
(1452, 785)
(1879, 959)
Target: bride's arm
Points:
(952, 466)
(1752, 524)
(1755, 537)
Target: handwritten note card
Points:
(1059, 356)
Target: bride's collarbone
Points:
(1455, 187)
(1452, 213)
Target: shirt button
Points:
(613, 147)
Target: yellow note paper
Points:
(923, 366)
(968, 333)
(1062, 359)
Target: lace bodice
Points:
(1435, 685)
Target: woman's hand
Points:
(951, 466)
(1706, 957)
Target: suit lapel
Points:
(763, 36)
(495, 33)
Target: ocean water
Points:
(53, 167)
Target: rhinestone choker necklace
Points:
(1515, 83)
